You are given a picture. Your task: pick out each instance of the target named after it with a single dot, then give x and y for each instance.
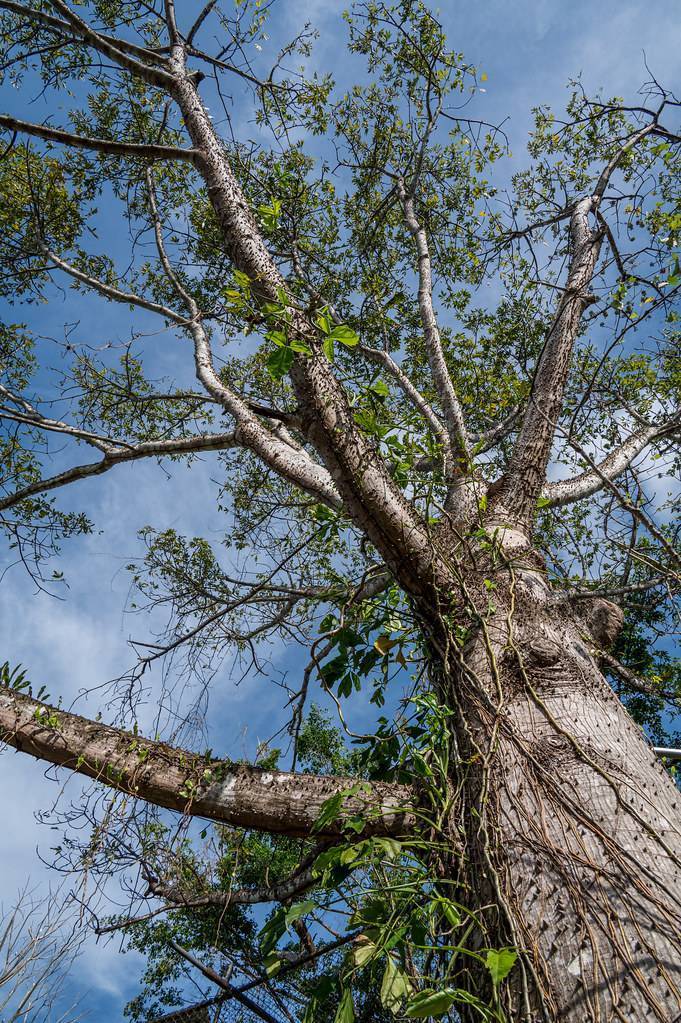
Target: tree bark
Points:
(274, 801)
(567, 822)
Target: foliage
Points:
(390, 219)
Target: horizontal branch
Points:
(147, 151)
(300, 881)
(236, 794)
(146, 449)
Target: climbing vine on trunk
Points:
(433, 399)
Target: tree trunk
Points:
(567, 822)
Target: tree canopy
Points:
(424, 388)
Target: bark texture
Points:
(232, 793)
(570, 824)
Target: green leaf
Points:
(278, 337)
(324, 323)
(269, 214)
(364, 951)
(500, 963)
(380, 388)
(346, 1010)
(390, 847)
(272, 931)
(243, 280)
(430, 1003)
(330, 809)
(279, 362)
(449, 909)
(295, 912)
(300, 346)
(395, 986)
(346, 335)
(272, 964)
(328, 348)
(328, 858)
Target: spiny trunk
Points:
(570, 825)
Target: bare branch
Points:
(203, 14)
(596, 478)
(273, 801)
(146, 151)
(221, 982)
(634, 681)
(457, 449)
(115, 294)
(116, 456)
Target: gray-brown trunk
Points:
(570, 824)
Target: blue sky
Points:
(529, 50)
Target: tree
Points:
(392, 443)
(39, 940)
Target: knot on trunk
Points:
(604, 620)
(543, 651)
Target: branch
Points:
(231, 991)
(370, 496)
(488, 438)
(613, 591)
(278, 802)
(115, 294)
(457, 449)
(146, 449)
(27, 415)
(594, 479)
(294, 885)
(51, 24)
(522, 482)
(610, 167)
(203, 14)
(140, 150)
(291, 462)
(634, 681)
(113, 48)
(414, 396)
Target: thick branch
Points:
(370, 496)
(291, 462)
(147, 151)
(49, 23)
(521, 485)
(299, 882)
(236, 794)
(593, 480)
(112, 48)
